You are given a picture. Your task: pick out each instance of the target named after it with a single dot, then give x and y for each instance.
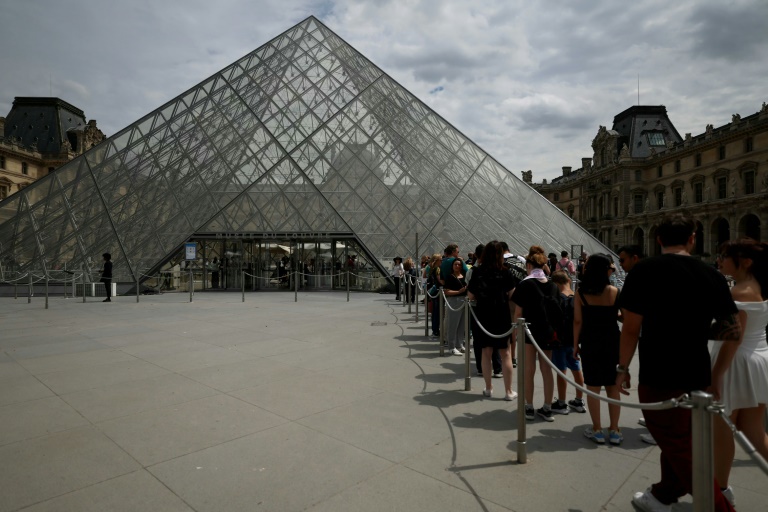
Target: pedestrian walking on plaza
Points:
(745, 382)
(596, 342)
(673, 298)
(106, 275)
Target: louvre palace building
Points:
(39, 135)
(641, 169)
(303, 154)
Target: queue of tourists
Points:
(693, 331)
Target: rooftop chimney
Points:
(566, 170)
(586, 163)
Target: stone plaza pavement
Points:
(320, 405)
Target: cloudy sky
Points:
(529, 81)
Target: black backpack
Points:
(549, 318)
(565, 334)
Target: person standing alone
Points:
(106, 275)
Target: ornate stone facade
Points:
(720, 177)
(34, 140)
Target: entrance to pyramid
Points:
(275, 263)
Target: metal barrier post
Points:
(16, 289)
(82, 269)
(296, 285)
(138, 290)
(29, 289)
(347, 285)
(427, 300)
(190, 284)
(442, 323)
(522, 454)
(46, 290)
(701, 445)
(467, 376)
(402, 289)
(243, 282)
(416, 298)
(408, 292)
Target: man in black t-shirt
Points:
(673, 298)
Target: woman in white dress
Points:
(744, 387)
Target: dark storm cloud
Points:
(733, 31)
(516, 74)
(545, 117)
(438, 64)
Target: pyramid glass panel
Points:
(303, 135)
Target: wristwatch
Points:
(621, 369)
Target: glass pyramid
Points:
(304, 134)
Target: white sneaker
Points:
(455, 352)
(510, 396)
(648, 438)
(647, 502)
(728, 493)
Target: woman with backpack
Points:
(531, 297)
(596, 339)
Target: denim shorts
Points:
(563, 358)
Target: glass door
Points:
(232, 265)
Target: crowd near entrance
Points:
(236, 263)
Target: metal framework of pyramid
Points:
(302, 135)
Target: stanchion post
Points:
(16, 289)
(138, 290)
(467, 375)
(442, 323)
(243, 283)
(408, 293)
(296, 285)
(347, 285)
(29, 289)
(82, 269)
(703, 459)
(416, 298)
(190, 284)
(522, 454)
(46, 289)
(416, 282)
(427, 299)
